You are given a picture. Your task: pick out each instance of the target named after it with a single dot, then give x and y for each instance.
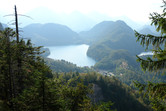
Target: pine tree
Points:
(15, 81)
(157, 63)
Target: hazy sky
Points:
(137, 10)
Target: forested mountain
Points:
(106, 88)
(112, 44)
(28, 84)
(50, 34)
(119, 81)
(114, 35)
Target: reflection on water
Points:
(145, 53)
(72, 53)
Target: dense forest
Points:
(28, 84)
(119, 81)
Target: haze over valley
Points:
(103, 35)
(92, 55)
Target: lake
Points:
(145, 54)
(72, 53)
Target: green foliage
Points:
(98, 52)
(59, 95)
(155, 91)
(20, 67)
(127, 76)
(106, 89)
(116, 59)
(112, 45)
(27, 83)
(110, 35)
(64, 66)
(104, 107)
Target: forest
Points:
(119, 81)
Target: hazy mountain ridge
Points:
(76, 20)
(105, 32)
(149, 29)
(50, 34)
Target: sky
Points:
(137, 10)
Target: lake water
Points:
(145, 53)
(73, 53)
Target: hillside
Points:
(114, 35)
(112, 44)
(94, 34)
(50, 34)
(107, 88)
(64, 66)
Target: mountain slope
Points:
(110, 40)
(114, 35)
(50, 34)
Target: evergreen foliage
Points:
(65, 66)
(107, 88)
(27, 83)
(157, 64)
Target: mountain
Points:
(112, 44)
(97, 32)
(40, 15)
(77, 21)
(134, 25)
(146, 31)
(50, 34)
(108, 88)
(149, 29)
(117, 59)
(115, 35)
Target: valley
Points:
(103, 56)
(83, 55)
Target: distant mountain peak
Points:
(121, 22)
(50, 34)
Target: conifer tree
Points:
(157, 63)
